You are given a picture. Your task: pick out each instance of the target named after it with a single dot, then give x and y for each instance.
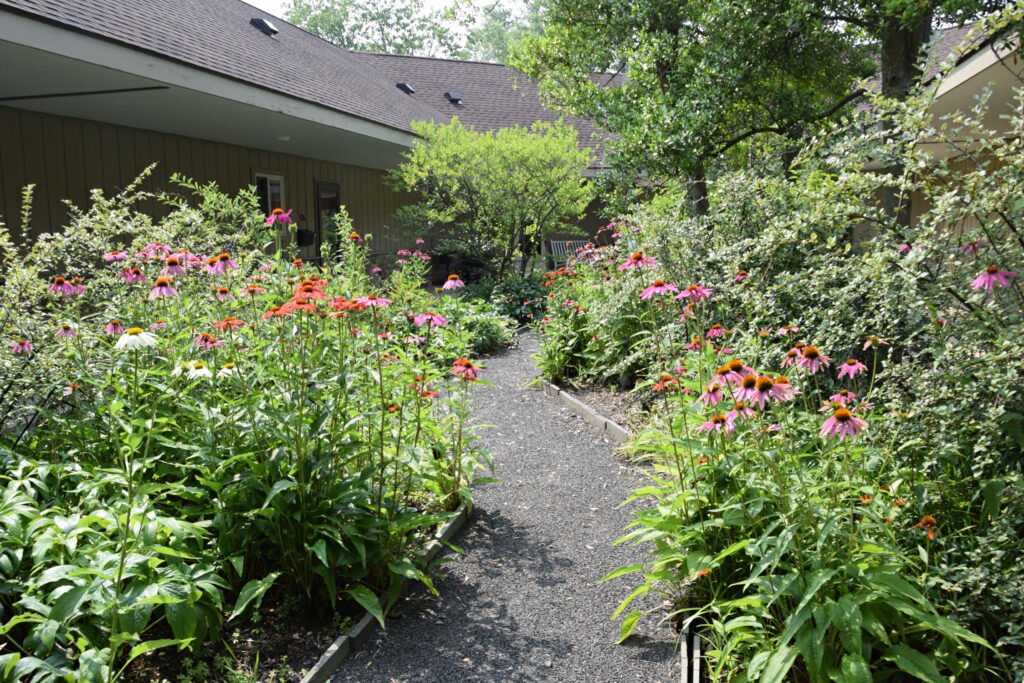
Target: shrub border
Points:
(345, 644)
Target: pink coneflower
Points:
(132, 275)
(972, 248)
(218, 265)
(115, 256)
(903, 248)
(375, 269)
(658, 287)
(310, 291)
(694, 345)
(842, 397)
(842, 424)
(224, 294)
(874, 342)
(790, 358)
(851, 368)
(993, 277)
(172, 266)
(787, 329)
(464, 369)
(355, 237)
(157, 248)
(373, 301)
(453, 282)
(20, 346)
(274, 312)
(65, 331)
(740, 411)
(63, 287)
(279, 216)
(207, 341)
(158, 325)
(298, 304)
(711, 395)
(253, 290)
(403, 252)
(229, 323)
(695, 293)
(76, 285)
(162, 288)
(812, 360)
(762, 389)
(717, 423)
(114, 327)
(433, 318)
(733, 372)
(422, 255)
(741, 276)
(715, 331)
(384, 335)
(637, 260)
(420, 240)
(413, 339)
(665, 383)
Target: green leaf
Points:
(282, 485)
(855, 669)
(846, 617)
(629, 624)
(369, 601)
(622, 571)
(150, 645)
(252, 593)
(914, 663)
(182, 618)
(67, 603)
(897, 584)
(943, 625)
(779, 664)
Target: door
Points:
(328, 202)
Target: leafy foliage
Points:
(501, 192)
(264, 424)
(790, 550)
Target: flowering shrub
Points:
(188, 421)
(845, 541)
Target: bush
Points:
(815, 259)
(521, 298)
(247, 421)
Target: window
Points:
(270, 190)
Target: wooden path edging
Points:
(337, 651)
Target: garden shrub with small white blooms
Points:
(189, 421)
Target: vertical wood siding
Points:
(66, 158)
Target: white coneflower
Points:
(198, 369)
(180, 368)
(227, 370)
(135, 338)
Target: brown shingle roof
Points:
(215, 35)
(493, 95)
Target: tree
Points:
(706, 76)
(502, 191)
(403, 27)
(498, 26)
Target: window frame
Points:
(270, 177)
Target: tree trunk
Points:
(900, 52)
(793, 137)
(699, 191)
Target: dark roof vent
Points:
(264, 26)
(405, 87)
(454, 97)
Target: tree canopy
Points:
(502, 191)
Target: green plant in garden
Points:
(189, 422)
(796, 549)
(502, 192)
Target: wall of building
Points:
(68, 157)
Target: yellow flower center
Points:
(134, 330)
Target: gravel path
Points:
(523, 603)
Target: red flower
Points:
(929, 524)
(464, 369)
(229, 323)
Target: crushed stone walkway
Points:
(523, 602)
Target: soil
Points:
(284, 643)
